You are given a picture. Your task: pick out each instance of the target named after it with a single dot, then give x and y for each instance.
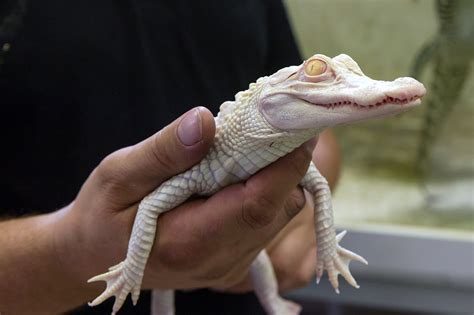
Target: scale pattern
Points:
(266, 122)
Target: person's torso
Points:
(85, 78)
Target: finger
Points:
(303, 221)
(266, 192)
(303, 272)
(294, 203)
(289, 253)
(327, 157)
(131, 173)
(244, 286)
(203, 225)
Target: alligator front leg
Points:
(126, 277)
(331, 256)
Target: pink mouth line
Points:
(387, 100)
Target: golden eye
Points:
(315, 67)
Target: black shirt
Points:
(85, 78)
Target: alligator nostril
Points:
(407, 80)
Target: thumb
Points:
(131, 173)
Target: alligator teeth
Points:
(386, 100)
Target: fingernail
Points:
(310, 144)
(189, 128)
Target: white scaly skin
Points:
(269, 120)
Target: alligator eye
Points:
(315, 67)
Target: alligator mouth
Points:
(386, 101)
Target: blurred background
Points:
(406, 193)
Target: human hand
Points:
(199, 244)
(293, 251)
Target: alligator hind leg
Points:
(266, 288)
(162, 302)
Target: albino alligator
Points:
(274, 116)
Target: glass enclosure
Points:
(417, 169)
(406, 192)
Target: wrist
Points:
(32, 270)
(70, 254)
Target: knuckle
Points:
(258, 212)
(291, 276)
(302, 278)
(284, 278)
(226, 274)
(218, 274)
(300, 162)
(109, 171)
(295, 202)
(159, 153)
(104, 171)
(281, 268)
(234, 278)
